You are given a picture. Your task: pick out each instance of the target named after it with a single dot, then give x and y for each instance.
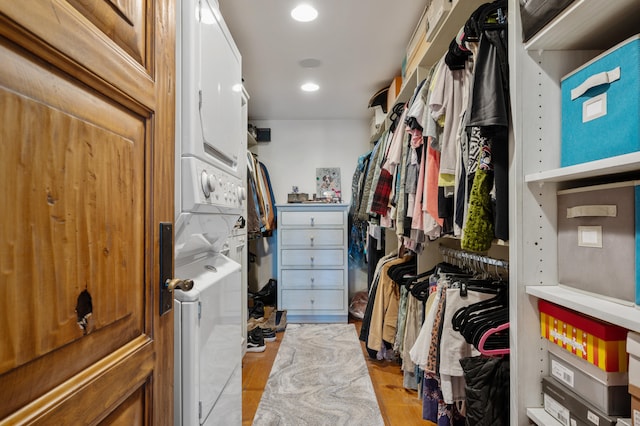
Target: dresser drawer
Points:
(312, 278)
(311, 218)
(313, 299)
(329, 257)
(311, 237)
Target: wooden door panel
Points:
(82, 217)
(124, 21)
(59, 34)
(99, 392)
(130, 412)
(74, 220)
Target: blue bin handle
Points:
(594, 81)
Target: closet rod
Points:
(466, 255)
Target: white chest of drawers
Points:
(313, 262)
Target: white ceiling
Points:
(360, 44)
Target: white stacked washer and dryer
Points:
(210, 236)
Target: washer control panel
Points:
(208, 189)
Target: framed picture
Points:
(328, 183)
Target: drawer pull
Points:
(312, 220)
(311, 238)
(311, 258)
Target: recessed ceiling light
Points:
(304, 13)
(309, 87)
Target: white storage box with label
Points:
(598, 240)
(436, 14)
(607, 391)
(601, 106)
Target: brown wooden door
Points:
(86, 177)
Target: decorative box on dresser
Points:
(313, 262)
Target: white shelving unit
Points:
(581, 32)
(607, 166)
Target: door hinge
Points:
(199, 409)
(199, 311)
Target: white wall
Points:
(296, 149)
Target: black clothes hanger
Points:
(494, 16)
(486, 16)
(469, 314)
(395, 115)
(491, 333)
(412, 279)
(495, 341)
(456, 57)
(476, 284)
(485, 324)
(409, 266)
(400, 273)
(421, 290)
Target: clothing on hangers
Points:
(384, 318)
(484, 321)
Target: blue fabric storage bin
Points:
(601, 106)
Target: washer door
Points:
(210, 336)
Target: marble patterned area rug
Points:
(319, 377)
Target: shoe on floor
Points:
(254, 322)
(281, 320)
(268, 334)
(257, 310)
(277, 321)
(255, 340)
(266, 294)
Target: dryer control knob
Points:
(208, 183)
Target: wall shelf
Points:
(541, 417)
(620, 164)
(595, 305)
(458, 16)
(573, 28)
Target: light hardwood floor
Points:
(399, 406)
